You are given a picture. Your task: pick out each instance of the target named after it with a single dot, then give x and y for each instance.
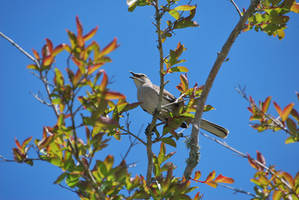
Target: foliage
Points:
(271, 18)
(285, 120)
(83, 103)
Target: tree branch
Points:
(237, 8)
(193, 159)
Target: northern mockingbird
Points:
(148, 95)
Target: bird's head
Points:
(139, 79)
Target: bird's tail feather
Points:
(214, 128)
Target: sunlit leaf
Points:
(224, 179)
(109, 95)
(104, 82)
(109, 48)
(79, 32)
(36, 55)
(32, 66)
(26, 141)
(90, 34)
(48, 60)
(295, 7)
(58, 49)
(290, 140)
(109, 160)
(49, 45)
(178, 69)
(185, 8)
(174, 13)
(286, 111)
(266, 104)
(288, 178)
(277, 195)
(18, 145)
(197, 175)
(93, 68)
(58, 79)
(278, 109)
(211, 176)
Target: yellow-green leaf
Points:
(185, 8)
(175, 14)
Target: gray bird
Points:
(148, 95)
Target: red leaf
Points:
(114, 95)
(36, 55)
(18, 145)
(223, 179)
(260, 158)
(286, 111)
(252, 163)
(80, 32)
(110, 47)
(77, 77)
(90, 34)
(49, 45)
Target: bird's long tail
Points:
(214, 128)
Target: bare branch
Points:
(40, 99)
(193, 159)
(238, 190)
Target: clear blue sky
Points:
(265, 65)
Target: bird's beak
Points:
(133, 75)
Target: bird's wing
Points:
(167, 95)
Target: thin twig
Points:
(237, 8)
(238, 190)
(40, 100)
(20, 48)
(193, 159)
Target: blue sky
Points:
(265, 65)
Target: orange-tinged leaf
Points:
(295, 7)
(212, 184)
(278, 109)
(224, 179)
(49, 45)
(104, 82)
(197, 175)
(32, 66)
(109, 95)
(48, 60)
(18, 145)
(36, 55)
(109, 162)
(290, 140)
(197, 197)
(288, 178)
(286, 111)
(93, 68)
(79, 32)
(58, 49)
(26, 141)
(211, 176)
(110, 47)
(277, 195)
(251, 162)
(296, 179)
(266, 104)
(77, 77)
(185, 8)
(90, 34)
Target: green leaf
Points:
(178, 69)
(185, 8)
(169, 140)
(58, 79)
(72, 180)
(292, 126)
(175, 14)
(60, 178)
(290, 140)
